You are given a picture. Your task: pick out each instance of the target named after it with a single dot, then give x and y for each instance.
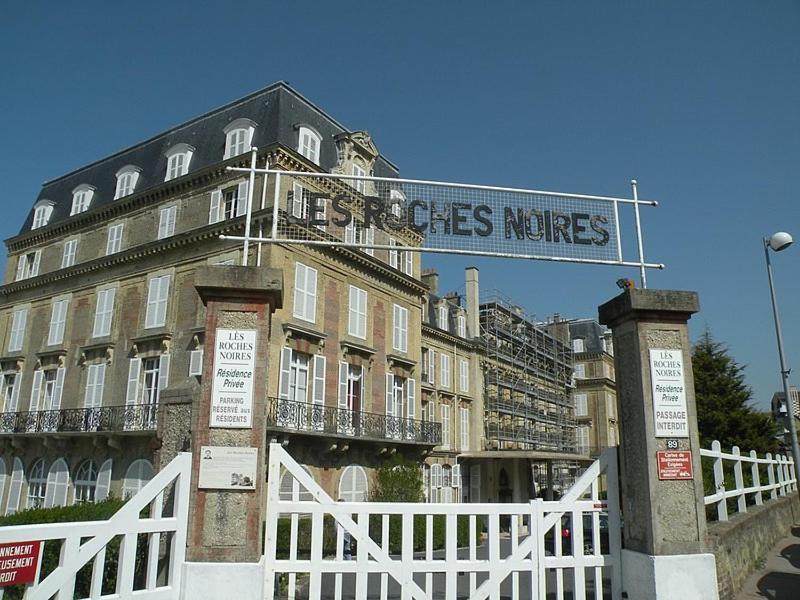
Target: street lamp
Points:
(780, 241)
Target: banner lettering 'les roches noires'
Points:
(468, 219)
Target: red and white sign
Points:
(18, 562)
(675, 464)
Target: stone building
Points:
(103, 330)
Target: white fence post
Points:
(741, 501)
(773, 494)
(756, 477)
(779, 469)
(719, 481)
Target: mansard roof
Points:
(278, 111)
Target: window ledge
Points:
(294, 330)
(158, 337)
(400, 360)
(356, 347)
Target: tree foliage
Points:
(724, 410)
(398, 480)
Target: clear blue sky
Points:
(700, 101)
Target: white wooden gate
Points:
(414, 550)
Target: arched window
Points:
(86, 482)
(353, 484)
(81, 198)
(42, 211)
(37, 485)
(238, 137)
(15, 491)
(291, 490)
(447, 492)
(127, 177)
(57, 484)
(308, 143)
(138, 474)
(178, 159)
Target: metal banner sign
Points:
(402, 215)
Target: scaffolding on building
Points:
(527, 381)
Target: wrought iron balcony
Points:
(340, 422)
(133, 417)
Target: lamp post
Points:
(780, 241)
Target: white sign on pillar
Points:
(669, 393)
(234, 370)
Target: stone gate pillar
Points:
(228, 501)
(661, 496)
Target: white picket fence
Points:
(521, 562)
(83, 542)
(781, 478)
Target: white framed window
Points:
(228, 203)
(305, 292)
(445, 426)
(95, 381)
(351, 394)
(127, 177)
(393, 254)
(85, 482)
(196, 362)
(46, 389)
(37, 485)
(357, 313)
(463, 375)
(58, 321)
(178, 159)
(444, 371)
(70, 250)
(295, 380)
(19, 320)
(401, 402)
(464, 428)
(81, 198)
(57, 484)
(400, 329)
(359, 184)
(28, 264)
(577, 345)
(104, 312)
(581, 405)
(308, 144)
(146, 378)
(408, 262)
(580, 371)
(238, 137)
(431, 366)
(42, 211)
(114, 242)
(166, 221)
(10, 391)
(157, 296)
(138, 474)
(291, 490)
(582, 439)
(611, 406)
(436, 482)
(442, 318)
(461, 326)
(353, 484)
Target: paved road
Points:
(780, 577)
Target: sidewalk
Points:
(779, 579)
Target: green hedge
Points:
(100, 511)
(375, 529)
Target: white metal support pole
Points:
(263, 204)
(275, 198)
(642, 271)
(784, 371)
(250, 187)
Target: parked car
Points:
(568, 538)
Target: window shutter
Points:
(132, 394)
(213, 210)
(431, 367)
(21, 261)
(196, 362)
(103, 486)
(15, 392)
(370, 240)
(17, 476)
(37, 256)
(455, 478)
(390, 395)
(297, 200)
(36, 390)
(392, 253)
(343, 368)
(57, 480)
(411, 388)
(318, 395)
(58, 389)
(163, 372)
(286, 359)
(241, 199)
(350, 232)
(409, 262)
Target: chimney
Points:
(431, 279)
(473, 295)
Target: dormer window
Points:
(126, 181)
(442, 318)
(81, 198)
(238, 137)
(178, 159)
(359, 184)
(42, 211)
(308, 144)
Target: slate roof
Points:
(591, 332)
(277, 110)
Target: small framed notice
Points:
(674, 464)
(234, 370)
(669, 394)
(228, 468)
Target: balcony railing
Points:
(340, 422)
(133, 417)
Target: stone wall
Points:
(741, 543)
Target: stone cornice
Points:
(444, 336)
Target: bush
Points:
(100, 511)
